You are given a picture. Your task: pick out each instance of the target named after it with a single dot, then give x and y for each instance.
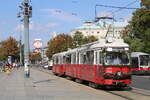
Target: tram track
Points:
(138, 91)
(128, 94)
(119, 95)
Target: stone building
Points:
(99, 30)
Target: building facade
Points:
(99, 30)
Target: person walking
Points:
(7, 69)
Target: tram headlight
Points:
(119, 74)
(126, 49)
(109, 49)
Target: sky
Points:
(60, 16)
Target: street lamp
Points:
(26, 11)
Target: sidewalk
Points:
(42, 86)
(15, 87)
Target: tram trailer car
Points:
(101, 63)
(140, 63)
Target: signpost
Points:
(26, 10)
(37, 43)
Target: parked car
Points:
(45, 66)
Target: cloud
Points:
(61, 15)
(36, 28)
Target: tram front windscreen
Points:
(116, 58)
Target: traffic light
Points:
(30, 11)
(26, 11)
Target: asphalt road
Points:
(142, 82)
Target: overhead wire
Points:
(120, 8)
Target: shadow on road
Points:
(42, 81)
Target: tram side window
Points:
(81, 58)
(57, 60)
(135, 62)
(54, 60)
(60, 60)
(68, 59)
(100, 58)
(64, 60)
(89, 57)
(73, 59)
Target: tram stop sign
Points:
(37, 43)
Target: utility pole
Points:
(20, 45)
(26, 11)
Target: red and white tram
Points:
(140, 63)
(105, 62)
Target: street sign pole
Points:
(27, 13)
(26, 46)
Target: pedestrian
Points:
(7, 69)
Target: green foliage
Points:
(137, 34)
(140, 22)
(3, 58)
(79, 39)
(135, 44)
(145, 3)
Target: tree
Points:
(63, 42)
(9, 47)
(59, 44)
(34, 56)
(145, 3)
(79, 39)
(89, 39)
(138, 32)
(2, 57)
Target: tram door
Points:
(99, 64)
